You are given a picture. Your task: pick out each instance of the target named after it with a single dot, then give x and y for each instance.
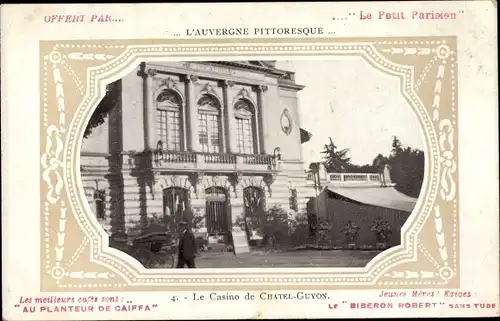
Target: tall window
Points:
(169, 120)
(244, 127)
(253, 200)
(176, 204)
(209, 116)
(216, 213)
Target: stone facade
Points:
(181, 129)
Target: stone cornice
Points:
(290, 85)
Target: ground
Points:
(304, 258)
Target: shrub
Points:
(272, 225)
(323, 235)
(351, 231)
(300, 232)
(310, 231)
(382, 229)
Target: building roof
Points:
(286, 78)
(387, 197)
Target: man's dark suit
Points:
(187, 249)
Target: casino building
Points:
(206, 140)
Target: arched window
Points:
(209, 116)
(245, 122)
(176, 204)
(216, 210)
(169, 129)
(253, 200)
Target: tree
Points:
(362, 168)
(336, 160)
(407, 168)
(379, 162)
(105, 106)
(397, 146)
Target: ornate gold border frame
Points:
(74, 250)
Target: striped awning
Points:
(387, 197)
(305, 136)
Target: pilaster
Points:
(148, 107)
(262, 147)
(229, 121)
(193, 140)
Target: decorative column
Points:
(149, 113)
(228, 117)
(261, 141)
(223, 129)
(193, 141)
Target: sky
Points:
(358, 106)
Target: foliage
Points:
(336, 160)
(397, 146)
(406, 165)
(300, 232)
(351, 231)
(163, 224)
(381, 228)
(362, 169)
(272, 225)
(379, 163)
(305, 230)
(104, 107)
(154, 223)
(323, 232)
(407, 168)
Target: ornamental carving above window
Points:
(169, 97)
(243, 109)
(208, 102)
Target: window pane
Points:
(162, 127)
(173, 134)
(239, 132)
(168, 127)
(248, 136)
(214, 133)
(176, 203)
(245, 136)
(203, 132)
(209, 125)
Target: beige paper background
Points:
(473, 251)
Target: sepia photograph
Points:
(253, 164)
(335, 174)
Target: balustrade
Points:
(163, 158)
(219, 158)
(257, 159)
(355, 177)
(335, 177)
(347, 177)
(178, 157)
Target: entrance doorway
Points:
(176, 207)
(217, 215)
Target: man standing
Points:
(187, 246)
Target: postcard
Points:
(250, 160)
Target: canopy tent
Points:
(387, 197)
